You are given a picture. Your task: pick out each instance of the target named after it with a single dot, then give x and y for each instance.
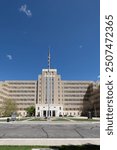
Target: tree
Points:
(9, 107)
(30, 111)
(1, 111)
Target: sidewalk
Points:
(50, 141)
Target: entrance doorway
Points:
(53, 113)
(44, 113)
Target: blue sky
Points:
(69, 27)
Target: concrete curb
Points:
(50, 141)
(52, 123)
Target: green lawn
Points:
(38, 119)
(22, 119)
(70, 147)
(78, 119)
(3, 120)
(60, 119)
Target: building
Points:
(74, 94)
(52, 96)
(92, 103)
(22, 92)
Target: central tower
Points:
(49, 101)
(49, 85)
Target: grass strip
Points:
(68, 147)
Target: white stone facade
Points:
(49, 110)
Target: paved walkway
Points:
(50, 142)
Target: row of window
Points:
(72, 108)
(75, 92)
(75, 83)
(73, 100)
(24, 83)
(44, 107)
(6, 89)
(25, 104)
(80, 87)
(50, 72)
(15, 95)
(21, 99)
(2, 92)
(73, 103)
(71, 113)
(21, 91)
(74, 95)
(22, 87)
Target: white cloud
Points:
(24, 9)
(81, 46)
(9, 57)
(98, 76)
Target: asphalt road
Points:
(82, 130)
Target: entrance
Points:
(53, 113)
(50, 113)
(44, 113)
